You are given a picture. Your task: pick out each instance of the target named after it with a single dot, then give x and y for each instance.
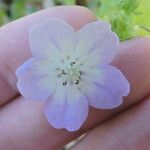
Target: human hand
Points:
(22, 122)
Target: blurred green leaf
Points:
(3, 15)
(129, 18)
(31, 9)
(65, 2)
(142, 19)
(18, 9)
(123, 26)
(129, 6)
(69, 2)
(121, 14)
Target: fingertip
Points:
(14, 39)
(77, 16)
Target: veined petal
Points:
(51, 36)
(110, 76)
(36, 66)
(97, 40)
(67, 109)
(106, 87)
(35, 81)
(115, 79)
(104, 98)
(40, 42)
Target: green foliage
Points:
(120, 14)
(126, 17)
(123, 25)
(129, 18)
(129, 6)
(3, 16)
(143, 18)
(18, 9)
(64, 2)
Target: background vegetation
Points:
(129, 18)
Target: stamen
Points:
(77, 82)
(65, 83)
(72, 63)
(72, 72)
(63, 72)
(80, 72)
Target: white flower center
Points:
(71, 73)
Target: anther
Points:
(64, 83)
(80, 72)
(77, 82)
(72, 63)
(63, 72)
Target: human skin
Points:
(22, 122)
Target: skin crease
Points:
(22, 122)
(128, 131)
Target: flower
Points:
(70, 70)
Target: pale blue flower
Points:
(70, 70)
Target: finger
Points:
(14, 45)
(97, 119)
(25, 120)
(24, 127)
(133, 59)
(128, 131)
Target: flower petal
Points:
(103, 98)
(53, 35)
(67, 109)
(107, 88)
(99, 41)
(40, 42)
(114, 79)
(35, 81)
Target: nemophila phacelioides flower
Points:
(70, 70)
